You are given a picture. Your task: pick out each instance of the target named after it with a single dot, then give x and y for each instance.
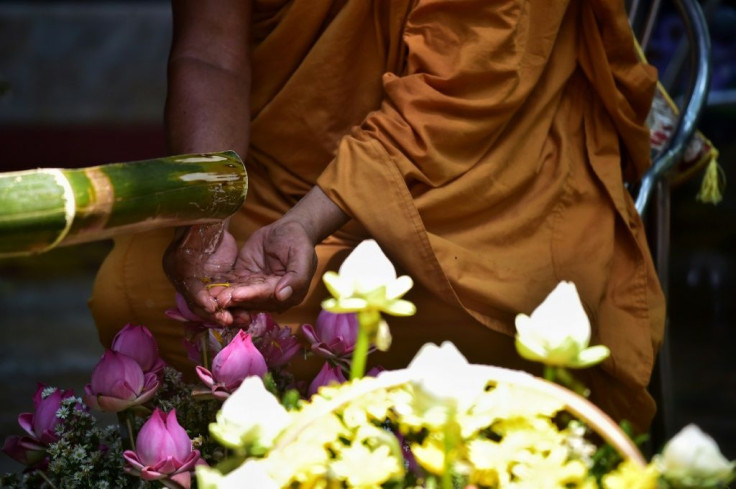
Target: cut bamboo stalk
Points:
(48, 207)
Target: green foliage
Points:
(86, 456)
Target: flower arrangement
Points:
(439, 423)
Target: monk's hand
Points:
(272, 271)
(195, 256)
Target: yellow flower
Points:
(304, 464)
(250, 418)
(549, 468)
(367, 280)
(430, 453)
(558, 331)
(373, 458)
(628, 475)
(515, 401)
(489, 463)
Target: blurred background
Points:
(83, 83)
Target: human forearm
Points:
(207, 108)
(207, 105)
(317, 214)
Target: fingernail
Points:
(284, 293)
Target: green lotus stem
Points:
(550, 373)
(367, 322)
(205, 359)
(563, 377)
(44, 477)
(48, 207)
(129, 425)
(451, 431)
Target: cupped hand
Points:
(272, 271)
(196, 255)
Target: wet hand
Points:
(272, 271)
(195, 255)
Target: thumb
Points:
(294, 284)
(284, 293)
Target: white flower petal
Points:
(400, 308)
(367, 267)
(349, 304)
(530, 351)
(383, 337)
(592, 355)
(563, 314)
(252, 414)
(558, 330)
(445, 374)
(336, 285)
(399, 287)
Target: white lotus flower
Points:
(444, 376)
(558, 331)
(250, 418)
(367, 280)
(693, 459)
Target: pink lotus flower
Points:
(334, 335)
(24, 450)
(118, 383)
(163, 450)
(182, 313)
(277, 343)
(40, 426)
(138, 343)
(330, 374)
(235, 362)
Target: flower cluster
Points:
(445, 423)
(164, 422)
(439, 423)
(81, 453)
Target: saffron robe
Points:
(483, 144)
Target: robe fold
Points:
(484, 145)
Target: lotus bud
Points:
(328, 375)
(118, 383)
(39, 425)
(367, 280)
(163, 450)
(444, 380)
(333, 335)
(138, 343)
(692, 459)
(233, 364)
(25, 450)
(558, 331)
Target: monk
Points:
(484, 145)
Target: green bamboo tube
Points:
(49, 207)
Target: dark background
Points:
(85, 85)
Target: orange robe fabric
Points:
(484, 145)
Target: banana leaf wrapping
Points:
(48, 207)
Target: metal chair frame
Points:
(655, 180)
